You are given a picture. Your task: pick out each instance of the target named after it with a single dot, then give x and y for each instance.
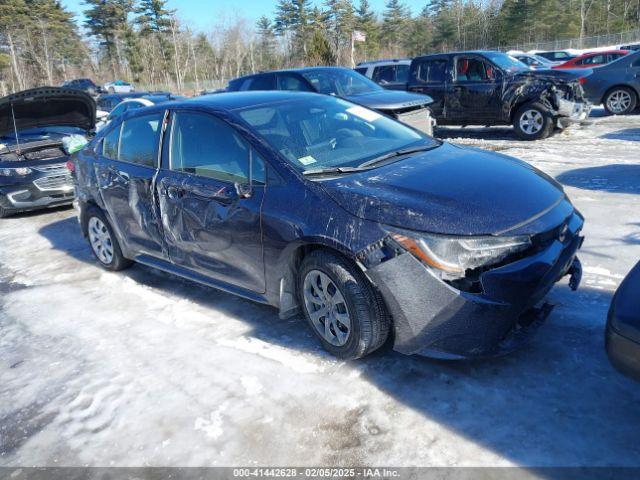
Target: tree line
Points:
(144, 41)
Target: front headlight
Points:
(15, 172)
(451, 256)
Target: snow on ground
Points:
(140, 368)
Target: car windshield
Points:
(506, 62)
(327, 132)
(542, 60)
(340, 82)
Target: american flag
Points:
(359, 36)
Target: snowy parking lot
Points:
(140, 368)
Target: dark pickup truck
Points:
(492, 88)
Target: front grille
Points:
(57, 181)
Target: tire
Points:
(532, 122)
(369, 321)
(100, 235)
(620, 101)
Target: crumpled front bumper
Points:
(572, 112)
(25, 197)
(434, 319)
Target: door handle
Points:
(223, 195)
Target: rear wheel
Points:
(341, 306)
(103, 241)
(532, 122)
(620, 101)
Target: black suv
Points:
(492, 88)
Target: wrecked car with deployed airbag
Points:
(373, 230)
(39, 128)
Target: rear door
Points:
(125, 173)
(431, 76)
(476, 91)
(210, 209)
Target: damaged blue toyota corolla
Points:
(308, 202)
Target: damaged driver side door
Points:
(210, 195)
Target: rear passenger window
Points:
(204, 145)
(384, 74)
(262, 82)
(402, 73)
(432, 71)
(361, 70)
(110, 143)
(292, 83)
(139, 139)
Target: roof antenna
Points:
(15, 130)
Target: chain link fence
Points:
(610, 40)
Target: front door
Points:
(475, 96)
(210, 209)
(125, 173)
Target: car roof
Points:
(463, 52)
(294, 70)
(388, 61)
(238, 100)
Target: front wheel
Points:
(620, 101)
(532, 122)
(341, 306)
(103, 241)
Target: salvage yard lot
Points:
(141, 368)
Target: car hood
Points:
(47, 107)
(390, 100)
(552, 75)
(453, 190)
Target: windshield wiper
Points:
(332, 170)
(395, 153)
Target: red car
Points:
(593, 59)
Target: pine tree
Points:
(367, 22)
(319, 51)
(266, 47)
(396, 16)
(107, 21)
(341, 19)
(154, 24)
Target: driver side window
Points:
(203, 145)
(470, 69)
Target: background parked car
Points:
(118, 86)
(593, 59)
(134, 103)
(390, 74)
(409, 108)
(33, 173)
(556, 55)
(632, 47)
(84, 84)
(310, 202)
(616, 85)
(493, 88)
(534, 62)
(622, 338)
(108, 101)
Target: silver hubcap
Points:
(327, 308)
(531, 122)
(100, 240)
(619, 101)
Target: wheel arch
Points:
(289, 265)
